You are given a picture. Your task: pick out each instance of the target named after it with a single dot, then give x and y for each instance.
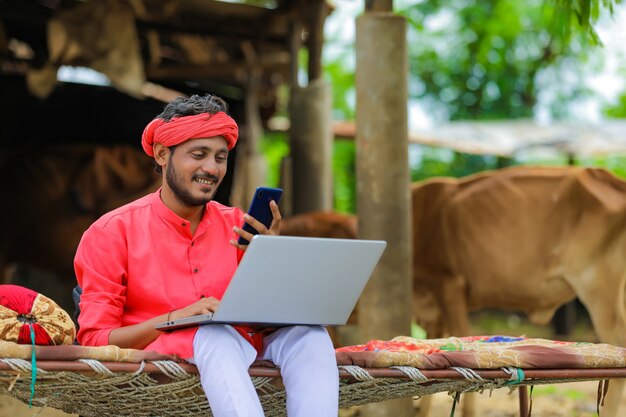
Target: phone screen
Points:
(260, 209)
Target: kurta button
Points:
(195, 270)
(183, 224)
(192, 243)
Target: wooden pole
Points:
(251, 167)
(316, 13)
(310, 133)
(523, 402)
(311, 147)
(383, 180)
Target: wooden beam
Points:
(231, 70)
(229, 29)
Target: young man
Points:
(171, 254)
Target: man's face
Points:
(195, 169)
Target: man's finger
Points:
(257, 225)
(238, 245)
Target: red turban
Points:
(180, 129)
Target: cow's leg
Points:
(455, 315)
(609, 331)
(428, 314)
(453, 302)
(607, 309)
(440, 306)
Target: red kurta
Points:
(140, 261)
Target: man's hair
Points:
(183, 106)
(190, 106)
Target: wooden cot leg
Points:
(523, 401)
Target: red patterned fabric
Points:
(22, 308)
(482, 352)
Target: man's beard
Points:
(184, 195)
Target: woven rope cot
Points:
(165, 388)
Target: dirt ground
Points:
(10, 407)
(561, 400)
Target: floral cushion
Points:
(22, 309)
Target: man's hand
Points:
(273, 230)
(202, 306)
(140, 335)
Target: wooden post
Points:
(523, 401)
(383, 180)
(310, 114)
(251, 167)
(311, 147)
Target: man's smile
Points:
(205, 181)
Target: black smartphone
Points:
(260, 209)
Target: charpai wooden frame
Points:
(92, 388)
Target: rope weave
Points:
(517, 375)
(96, 366)
(171, 369)
(140, 394)
(18, 364)
(413, 373)
(357, 372)
(468, 374)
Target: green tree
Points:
(618, 110)
(481, 59)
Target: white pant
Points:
(306, 358)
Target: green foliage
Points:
(342, 80)
(545, 390)
(482, 58)
(427, 162)
(618, 110)
(274, 147)
(614, 163)
(585, 13)
(344, 176)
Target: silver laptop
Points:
(287, 280)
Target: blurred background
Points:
(491, 84)
(486, 63)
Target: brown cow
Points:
(320, 224)
(522, 239)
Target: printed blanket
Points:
(482, 352)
